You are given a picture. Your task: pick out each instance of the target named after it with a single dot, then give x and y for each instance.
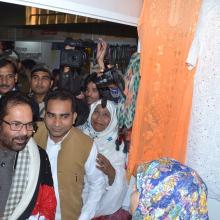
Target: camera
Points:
(73, 57)
(109, 77)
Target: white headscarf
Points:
(106, 139)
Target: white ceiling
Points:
(119, 11)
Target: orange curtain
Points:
(166, 29)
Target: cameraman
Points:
(72, 60)
(71, 63)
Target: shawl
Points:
(106, 139)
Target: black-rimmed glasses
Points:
(17, 126)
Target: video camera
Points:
(109, 77)
(75, 57)
(72, 57)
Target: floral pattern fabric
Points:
(126, 108)
(170, 190)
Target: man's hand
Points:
(105, 166)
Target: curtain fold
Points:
(166, 29)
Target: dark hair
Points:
(5, 62)
(55, 72)
(82, 110)
(28, 63)
(61, 94)
(90, 78)
(13, 98)
(41, 67)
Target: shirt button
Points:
(2, 164)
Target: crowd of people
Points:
(62, 155)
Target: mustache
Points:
(4, 85)
(21, 138)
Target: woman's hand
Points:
(105, 166)
(101, 50)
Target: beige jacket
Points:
(72, 157)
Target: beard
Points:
(16, 143)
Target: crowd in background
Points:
(83, 121)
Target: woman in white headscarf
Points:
(102, 127)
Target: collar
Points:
(49, 140)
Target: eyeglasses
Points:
(8, 77)
(17, 126)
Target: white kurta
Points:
(112, 198)
(96, 180)
(203, 147)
